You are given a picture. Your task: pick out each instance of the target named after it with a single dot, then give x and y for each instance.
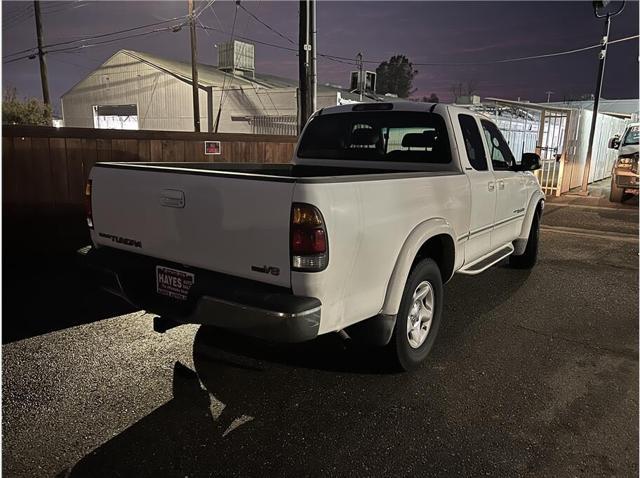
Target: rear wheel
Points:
(616, 194)
(529, 257)
(419, 315)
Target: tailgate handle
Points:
(172, 198)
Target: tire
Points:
(529, 257)
(411, 348)
(616, 194)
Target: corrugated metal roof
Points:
(625, 106)
(208, 75)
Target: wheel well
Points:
(442, 250)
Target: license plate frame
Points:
(174, 283)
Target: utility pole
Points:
(313, 73)
(360, 65)
(549, 93)
(584, 190)
(307, 61)
(43, 63)
(194, 69)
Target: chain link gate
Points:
(551, 148)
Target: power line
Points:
(281, 35)
(508, 60)
(65, 8)
(17, 13)
(224, 79)
(93, 37)
(273, 45)
(18, 18)
(84, 46)
(258, 42)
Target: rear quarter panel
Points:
(368, 222)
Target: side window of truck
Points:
(501, 156)
(473, 142)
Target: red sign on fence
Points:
(212, 147)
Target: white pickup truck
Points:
(382, 204)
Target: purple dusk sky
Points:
(424, 31)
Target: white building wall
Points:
(603, 157)
(164, 102)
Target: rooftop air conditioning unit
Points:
(237, 57)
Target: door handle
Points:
(500, 184)
(491, 185)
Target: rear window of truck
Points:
(413, 137)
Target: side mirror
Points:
(614, 143)
(530, 162)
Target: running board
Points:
(485, 262)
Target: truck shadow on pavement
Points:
(52, 294)
(255, 408)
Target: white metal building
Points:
(560, 134)
(134, 90)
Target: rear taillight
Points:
(309, 245)
(87, 204)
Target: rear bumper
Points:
(244, 306)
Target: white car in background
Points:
(624, 175)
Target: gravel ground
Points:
(533, 374)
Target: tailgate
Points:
(233, 225)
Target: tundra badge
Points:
(121, 240)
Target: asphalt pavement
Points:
(533, 374)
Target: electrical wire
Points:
(240, 37)
(17, 13)
(224, 79)
(281, 35)
(18, 18)
(508, 60)
(90, 45)
(93, 37)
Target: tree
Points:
(26, 112)
(395, 76)
(432, 98)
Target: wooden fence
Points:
(44, 171)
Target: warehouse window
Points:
(115, 116)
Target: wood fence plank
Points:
(9, 182)
(40, 158)
(103, 147)
(156, 150)
(89, 156)
(173, 151)
(130, 150)
(144, 150)
(124, 150)
(58, 166)
(189, 152)
(22, 151)
(75, 177)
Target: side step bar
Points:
(487, 261)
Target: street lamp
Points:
(598, 7)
